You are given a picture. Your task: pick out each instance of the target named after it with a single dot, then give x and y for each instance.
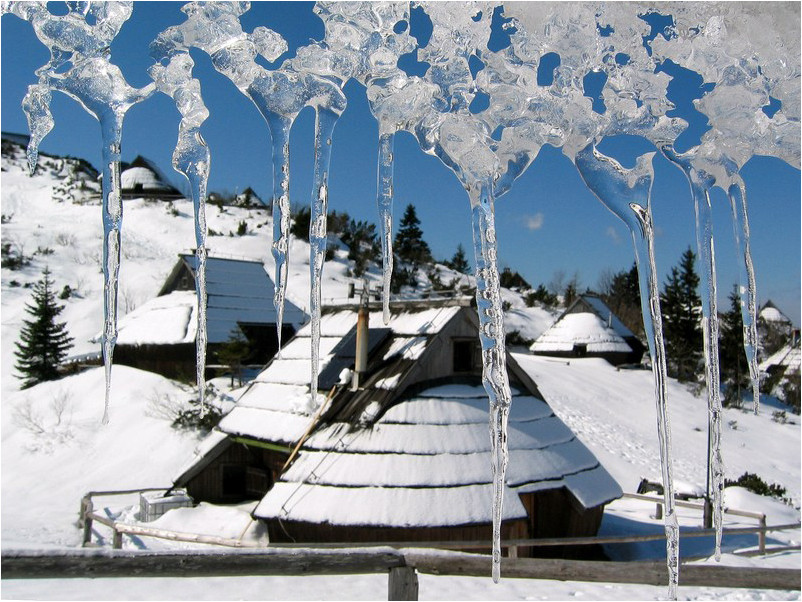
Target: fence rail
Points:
(401, 566)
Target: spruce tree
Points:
(682, 310)
(43, 342)
(732, 358)
(623, 298)
(459, 262)
(410, 248)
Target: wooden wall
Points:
(217, 482)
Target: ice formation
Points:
(482, 106)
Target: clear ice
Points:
(477, 51)
(627, 193)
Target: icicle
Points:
(700, 184)
(111, 127)
(748, 290)
(325, 120)
(494, 356)
(192, 158)
(385, 205)
(36, 105)
(627, 193)
(280, 134)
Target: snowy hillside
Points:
(54, 448)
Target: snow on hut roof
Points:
(770, 313)
(425, 462)
(788, 356)
(142, 178)
(166, 320)
(580, 329)
(605, 313)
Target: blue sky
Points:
(548, 222)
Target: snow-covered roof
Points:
(788, 357)
(167, 320)
(770, 313)
(580, 329)
(426, 462)
(238, 292)
(144, 179)
(605, 313)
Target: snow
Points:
(147, 180)
(610, 411)
(166, 320)
(772, 314)
(580, 328)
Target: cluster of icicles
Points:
(487, 147)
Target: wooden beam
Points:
(645, 573)
(100, 563)
(402, 584)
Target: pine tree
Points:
(233, 354)
(623, 298)
(43, 342)
(732, 359)
(459, 262)
(409, 246)
(682, 308)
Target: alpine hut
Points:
(395, 444)
(588, 328)
(159, 336)
(142, 179)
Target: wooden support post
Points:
(85, 521)
(658, 511)
(512, 552)
(117, 542)
(403, 583)
(761, 536)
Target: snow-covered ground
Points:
(54, 449)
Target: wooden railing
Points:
(401, 566)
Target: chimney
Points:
(610, 320)
(362, 321)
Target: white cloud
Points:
(612, 233)
(534, 222)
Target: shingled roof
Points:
(406, 449)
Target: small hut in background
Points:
(159, 336)
(395, 446)
(588, 328)
(142, 179)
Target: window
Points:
(234, 483)
(463, 352)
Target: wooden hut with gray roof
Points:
(401, 453)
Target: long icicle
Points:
(707, 264)
(385, 205)
(643, 242)
(748, 288)
(280, 134)
(627, 193)
(325, 120)
(111, 127)
(494, 357)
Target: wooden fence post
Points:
(85, 521)
(403, 583)
(117, 542)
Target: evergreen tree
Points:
(363, 244)
(623, 298)
(233, 354)
(732, 358)
(43, 342)
(409, 246)
(682, 309)
(459, 262)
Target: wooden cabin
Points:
(404, 456)
(588, 328)
(159, 336)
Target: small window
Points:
(463, 355)
(580, 350)
(234, 481)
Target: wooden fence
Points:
(401, 566)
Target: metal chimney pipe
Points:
(362, 323)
